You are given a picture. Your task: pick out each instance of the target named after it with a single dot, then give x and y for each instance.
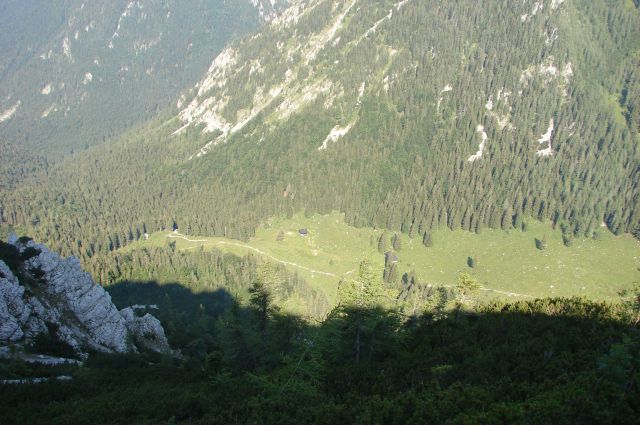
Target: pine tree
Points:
(471, 262)
(507, 219)
(412, 230)
(383, 242)
(263, 291)
(517, 221)
(467, 285)
(426, 240)
(567, 240)
(494, 220)
(541, 244)
(391, 274)
(360, 301)
(365, 291)
(397, 242)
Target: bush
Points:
(541, 244)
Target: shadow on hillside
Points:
(185, 315)
(527, 339)
(168, 296)
(541, 361)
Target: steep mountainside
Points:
(406, 114)
(74, 73)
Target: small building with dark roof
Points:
(303, 232)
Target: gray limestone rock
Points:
(60, 293)
(147, 331)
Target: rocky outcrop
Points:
(147, 330)
(14, 314)
(52, 294)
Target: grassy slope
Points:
(507, 263)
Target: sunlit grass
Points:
(507, 263)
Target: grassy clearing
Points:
(508, 264)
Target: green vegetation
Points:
(384, 353)
(405, 163)
(511, 265)
(17, 165)
(207, 271)
(531, 362)
(467, 286)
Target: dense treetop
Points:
(535, 362)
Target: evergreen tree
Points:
(414, 229)
(391, 274)
(517, 221)
(397, 242)
(631, 301)
(263, 290)
(467, 286)
(507, 219)
(471, 262)
(360, 303)
(426, 240)
(365, 291)
(383, 242)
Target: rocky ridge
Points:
(41, 292)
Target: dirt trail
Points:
(510, 294)
(289, 263)
(482, 288)
(277, 260)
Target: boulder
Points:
(146, 330)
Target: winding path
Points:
(510, 294)
(289, 263)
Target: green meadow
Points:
(506, 263)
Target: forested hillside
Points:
(200, 271)
(17, 164)
(408, 115)
(76, 73)
(561, 361)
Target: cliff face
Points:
(41, 292)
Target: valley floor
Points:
(507, 263)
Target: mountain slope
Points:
(75, 73)
(407, 115)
